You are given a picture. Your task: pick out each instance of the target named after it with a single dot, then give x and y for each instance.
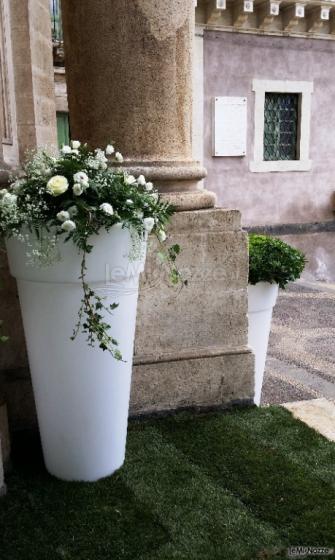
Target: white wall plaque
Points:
(230, 126)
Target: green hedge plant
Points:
(271, 260)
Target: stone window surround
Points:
(305, 89)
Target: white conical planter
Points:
(81, 393)
(261, 301)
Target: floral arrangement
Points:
(72, 196)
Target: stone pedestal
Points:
(191, 343)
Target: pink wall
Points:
(231, 62)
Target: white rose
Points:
(155, 196)
(110, 150)
(149, 186)
(139, 214)
(148, 224)
(119, 157)
(75, 144)
(141, 180)
(57, 185)
(100, 155)
(66, 150)
(80, 177)
(161, 235)
(130, 180)
(129, 202)
(76, 152)
(63, 216)
(107, 208)
(78, 189)
(103, 166)
(69, 225)
(3, 192)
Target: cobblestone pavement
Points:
(301, 356)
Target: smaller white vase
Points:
(262, 298)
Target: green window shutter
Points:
(281, 115)
(56, 20)
(63, 129)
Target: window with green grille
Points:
(281, 116)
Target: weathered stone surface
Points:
(210, 381)
(190, 345)
(211, 310)
(33, 74)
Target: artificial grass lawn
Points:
(237, 485)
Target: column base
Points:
(193, 200)
(177, 181)
(197, 382)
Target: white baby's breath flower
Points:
(110, 150)
(119, 157)
(148, 224)
(75, 144)
(103, 166)
(154, 195)
(130, 180)
(141, 180)
(107, 208)
(80, 177)
(129, 202)
(161, 235)
(93, 163)
(68, 225)
(78, 189)
(73, 211)
(9, 199)
(63, 216)
(138, 214)
(66, 149)
(57, 185)
(149, 186)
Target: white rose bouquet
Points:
(73, 196)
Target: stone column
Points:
(28, 122)
(131, 63)
(129, 75)
(33, 74)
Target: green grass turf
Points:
(238, 485)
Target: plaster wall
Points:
(231, 62)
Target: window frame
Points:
(305, 90)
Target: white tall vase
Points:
(262, 298)
(81, 393)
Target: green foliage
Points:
(271, 260)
